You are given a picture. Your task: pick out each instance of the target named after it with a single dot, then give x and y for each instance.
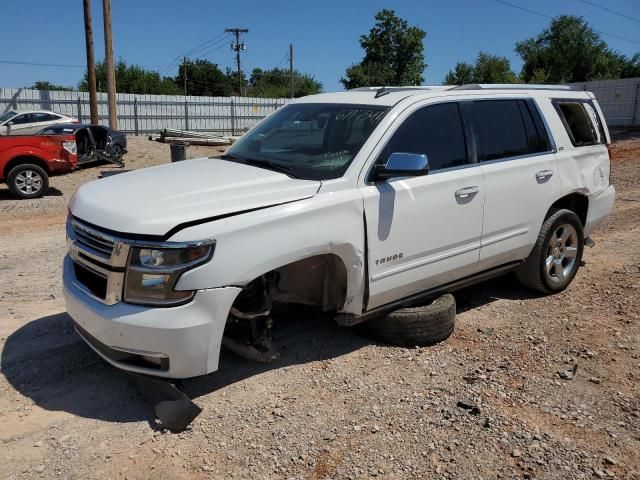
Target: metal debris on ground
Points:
(568, 374)
(173, 408)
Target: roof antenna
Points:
(382, 91)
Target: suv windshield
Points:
(6, 116)
(313, 141)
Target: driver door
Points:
(424, 231)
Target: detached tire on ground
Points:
(28, 181)
(416, 326)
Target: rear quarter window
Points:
(581, 122)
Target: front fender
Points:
(254, 243)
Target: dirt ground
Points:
(336, 405)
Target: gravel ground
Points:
(491, 402)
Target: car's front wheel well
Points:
(24, 160)
(318, 280)
(576, 202)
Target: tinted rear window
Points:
(499, 129)
(436, 131)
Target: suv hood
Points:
(152, 201)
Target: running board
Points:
(349, 319)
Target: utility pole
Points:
(184, 75)
(108, 60)
(91, 64)
(238, 47)
(291, 68)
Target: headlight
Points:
(154, 271)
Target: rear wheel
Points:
(28, 181)
(555, 259)
(116, 153)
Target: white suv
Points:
(356, 202)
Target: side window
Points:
(22, 119)
(499, 129)
(43, 117)
(581, 122)
(436, 131)
(537, 136)
(40, 117)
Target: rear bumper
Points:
(600, 205)
(185, 340)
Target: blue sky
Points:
(324, 33)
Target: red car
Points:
(27, 161)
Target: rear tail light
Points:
(70, 146)
(75, 120)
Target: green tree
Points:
(276, 83)
(204, 78)
(133, 79)
(486, 69)
(394, 54)
(569, 50)
(46, 85)
(460, 75)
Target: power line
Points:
(534, 12)
(34, 64)
(203, 44)
(208, 52)
(176, 60)
(629, 17)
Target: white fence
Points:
(619, 100)
(150, 113)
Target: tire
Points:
(416, 326)
(552, 265)
(28, 181)
(116, 153)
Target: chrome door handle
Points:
(466, 192)
(544, 174)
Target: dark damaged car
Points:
(95, 142)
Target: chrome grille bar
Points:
(102, 255)
(93, 239)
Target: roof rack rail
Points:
(400, 89)
(512, 86)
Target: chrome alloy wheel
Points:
(29, 182)
(562, 253)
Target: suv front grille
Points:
(94, 240)
(99, 261)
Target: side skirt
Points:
(348, 320)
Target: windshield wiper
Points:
(269, 165)
(226, 156)
(261, 163)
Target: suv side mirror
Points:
(403, 165)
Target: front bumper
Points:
(186, 338)
(600, 205)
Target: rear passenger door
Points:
(521, 176)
